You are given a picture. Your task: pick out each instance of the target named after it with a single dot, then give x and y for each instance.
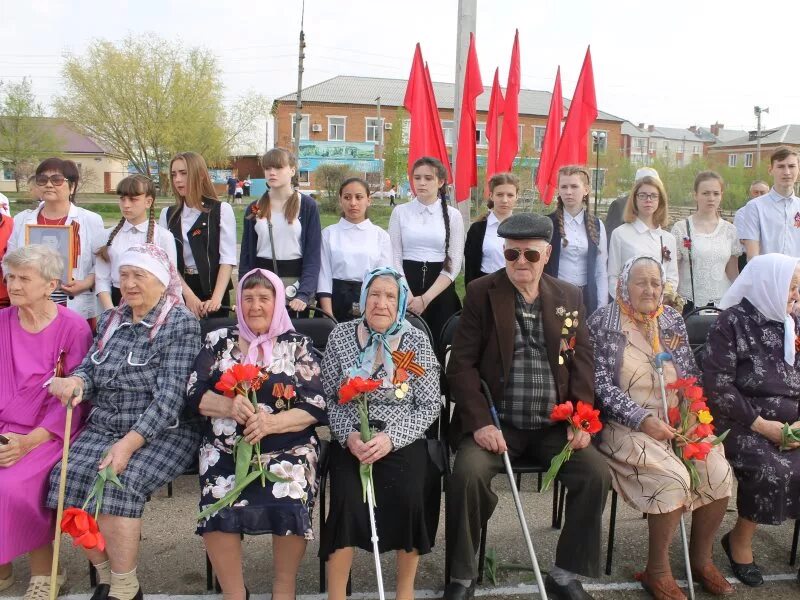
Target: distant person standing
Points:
(232, 181)
(246, 186)
(392, 194)
(771, 223)
(614, 216)
(238, 192)
(757, 188)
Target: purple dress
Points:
(27, 363)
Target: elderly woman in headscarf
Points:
(135, 377)
(289, 405)
(637, 440)
(752, 374)
(381, 346)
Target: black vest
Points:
(551, 268)
(204, 238)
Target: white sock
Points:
(124, 586)
(103, 572)
(562, 576)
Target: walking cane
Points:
(375, 553)
(659, 360)
(62, 482)
(515, 493)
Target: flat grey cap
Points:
(526, 226)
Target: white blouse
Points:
(710, 255)
(286, 237)
(350, 250)
(106, 274)
(632, 239)
(572, 261)
(492, 258)
(227, 233)
(417, 233)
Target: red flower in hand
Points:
(703, 430)
(355, 386)
(237, 378)
(696, 450)
(562, 412)
(587, 418)
(698, 405)
(682, 384)
(693, 392)
(83, 529)
(674, 415)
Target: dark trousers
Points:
(471, 501)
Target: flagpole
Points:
(467, 18)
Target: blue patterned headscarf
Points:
(381, 343)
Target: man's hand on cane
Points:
(67, 389)
(490, 438)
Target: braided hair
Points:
(591, 225)
(441, 175)
(134, 185)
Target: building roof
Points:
(785, 134)
(632, 130)
(723, 135)
(347, 89)
(668, 133)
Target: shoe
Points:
(456, 591)
(572, 591)
(662, 588)
(101, 592)
(138, 596)
(39, 586)
(7, 582)
(712, 580)
(748, 574)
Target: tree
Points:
(148, 99)
(328, 178)
(23, 138)
(395, 152)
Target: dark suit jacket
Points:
(483, 348)
(473, 250)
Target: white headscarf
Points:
(765, 283)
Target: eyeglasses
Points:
(512, 254)
(643, 196)
(57, 180)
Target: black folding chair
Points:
(698, 323)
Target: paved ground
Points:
(172, 561)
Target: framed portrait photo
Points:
(57, 237)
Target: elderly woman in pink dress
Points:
(35, 333)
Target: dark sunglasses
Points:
(512, 254)
(57, 180)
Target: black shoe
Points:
(748, 574)
(138, 596)
(101, 592)
(456, 591)
(572, 591)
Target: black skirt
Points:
(420, 277)
(407, 496)
(345, 296)
(194, 283)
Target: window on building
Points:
(696, 149)
(731, 160)
(7, 171)
(641, 146)
(538, 138)
(406, 130)
(336, 129)
(374, 130)
(480, 135)
(603, 140)
(304, 122)
(598, 179)
(521, 134)
(449, 131)
(748, 160)
(302, 177)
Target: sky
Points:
(673, 64)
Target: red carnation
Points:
(238, 378)
(82, 527)
(355, 386)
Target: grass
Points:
(106, 206)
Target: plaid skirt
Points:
(151, 467)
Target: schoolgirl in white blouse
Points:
(427, 245)
(137, 197)
(350, 249)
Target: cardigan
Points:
(473, 250)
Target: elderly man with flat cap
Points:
(511, 335)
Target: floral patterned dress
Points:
(281, 508)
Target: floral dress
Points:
(280, 508)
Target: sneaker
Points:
(39, 586)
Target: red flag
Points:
(425, 124)
(552, 135)
(466, 160)
(496, 103)
(509, 145)
(573, 149)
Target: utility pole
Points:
(467, 18)
(758, 110)
(379, 142)
(298, 114)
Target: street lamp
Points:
(598, 137)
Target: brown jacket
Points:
(483, 348)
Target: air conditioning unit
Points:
(316, 128)
(387, 125)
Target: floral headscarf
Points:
(648, 320)
(281, 322)
(378, 346)
(155, 261)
